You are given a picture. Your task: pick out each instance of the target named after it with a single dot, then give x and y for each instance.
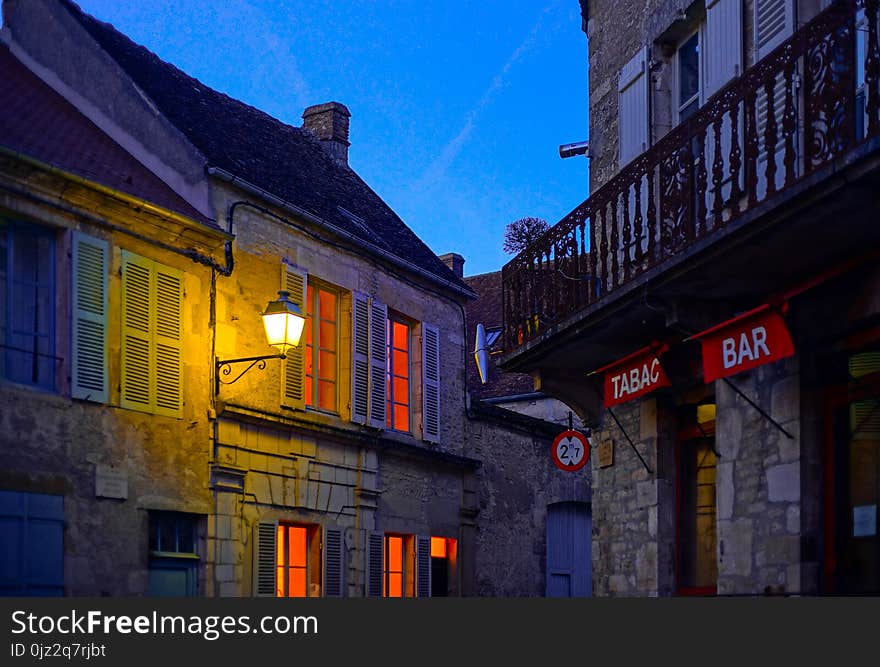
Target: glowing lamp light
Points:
(283, 321)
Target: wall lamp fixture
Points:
(283, 321)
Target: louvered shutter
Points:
(138, 368)
(264, 581)
(360, 355)
(375, 565)
(89, 330)
(167, 340)
(333, 559)
(865, 415)
(423, 566)
(431, 383)
(378, 363)
(294, 381)
(723, 53)
(774, 22)
(632, 89)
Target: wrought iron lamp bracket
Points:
(223, 367)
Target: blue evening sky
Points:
(458, 108)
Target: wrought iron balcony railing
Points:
(810, 101)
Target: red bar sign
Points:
(635, 375)
(745, 342)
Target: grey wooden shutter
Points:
(167, 341)
(333, 558)
(360, 357)
(137, 310)
(89, 332)
(632, 86)
(378, 363)
(431, 383)
(293, 394)
(423, 566)
(722, 55)
(375, 566)
(265, 536)
(774, 22)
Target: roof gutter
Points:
(257, 191)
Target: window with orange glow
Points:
(444, 563)
(438, 547)
(292, 562)
(397, 416)
(320, 335)
(394, 579)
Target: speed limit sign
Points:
(571, 450)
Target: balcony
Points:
(781, 163)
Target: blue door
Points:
(569, 547)
(31, 544)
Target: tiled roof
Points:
(286, 161)
(486, 310)
(37, 122)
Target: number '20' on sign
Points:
(570, 450)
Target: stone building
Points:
(152, 441)
(711, 309)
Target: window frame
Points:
(14, 229)
(406, 570)
(314, 327)
(155, 521)
(313, 565)
(392, 319)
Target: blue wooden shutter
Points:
(722, 55)
(360, 358)
(378, 363)
(374, 571)
(423, 566)
(431, 383)
(88, 377)
(632, 86)
(265, 536)
(333, 553)
(32, 542)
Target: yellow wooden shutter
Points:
(88, 376)
(167, 332)
(137, 313)
(293, 383)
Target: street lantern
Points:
(283, 321)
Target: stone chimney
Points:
(455, 262)
(329, 123)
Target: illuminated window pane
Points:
(297, 545)
(401, 391)
(298, 582)
(401, 363)
(327, 398)
(395, 554)
(401, 336)
(327, 304)
(438, 547)
(326, 365)
(395, 585)
(401, 418)
(327, 337)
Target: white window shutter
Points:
(89, 331)
(423, 566)
(264, 579)
(293, 394)
(333, 553)
(375, 565)
(431, 383)
(138, 367)
(632, 87)
(378, 363)
(167, 341)
(774, 23)
(722, 55)
(360, 357)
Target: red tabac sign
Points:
(747, 341)
(635, 375)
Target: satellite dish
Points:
(481, 354)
